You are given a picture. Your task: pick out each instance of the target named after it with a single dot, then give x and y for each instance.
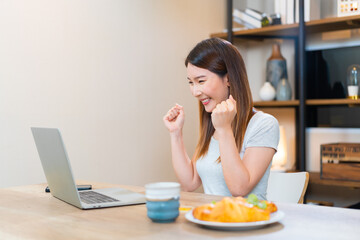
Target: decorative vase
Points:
(267, 92)
(276, 66)
(283, 90)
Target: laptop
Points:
(60, 179)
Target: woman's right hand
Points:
(174, 119)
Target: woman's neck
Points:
(215, 136)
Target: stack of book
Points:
(250, 18)
(289, 10)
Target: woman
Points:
(236, 143)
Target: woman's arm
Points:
(241, 175)
(185, 169)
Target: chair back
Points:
(287, 187)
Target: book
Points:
(265, 20)
(245, 19)
(255, 13)
(243, 23)
(290, 11)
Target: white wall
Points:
(104, 72)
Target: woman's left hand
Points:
(223, 114)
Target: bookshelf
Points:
(329, 102)
(309, 102)
(269, 31)
(291, 103)
(292, 30)
(298, 32)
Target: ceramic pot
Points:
(276, 67)
(267, 92)
(283, 90)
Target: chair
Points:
(287, 187)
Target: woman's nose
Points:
(196, 91)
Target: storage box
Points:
(348, 8)
(340, 161)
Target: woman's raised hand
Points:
(223, 114)
(174, 119)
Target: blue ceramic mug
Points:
(162, 201)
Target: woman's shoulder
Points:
(262, 130)
(261, 118)
(261, 123)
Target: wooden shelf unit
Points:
(330, 102)
(309, 102)
(292, 30)
(291, 103)
(332, 24)
(298, 32)
(278, 30)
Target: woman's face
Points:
(207, 86)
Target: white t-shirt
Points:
(262, 131)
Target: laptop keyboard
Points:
(91, 197)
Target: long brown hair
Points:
(222, 58)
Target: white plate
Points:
(274, 217)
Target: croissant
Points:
(234, 210)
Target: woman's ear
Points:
(227, 80)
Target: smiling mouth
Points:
(205, 101)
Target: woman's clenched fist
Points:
(223, 114)
(174, 119)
